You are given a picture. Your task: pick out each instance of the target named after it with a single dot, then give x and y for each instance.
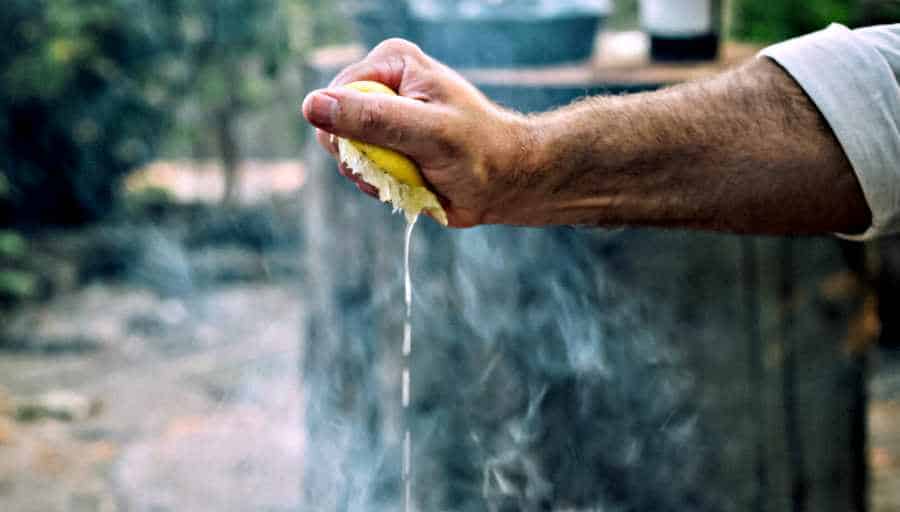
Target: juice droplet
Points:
(405, 391)
(407, 280)
(405, 384)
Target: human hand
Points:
(468, 149)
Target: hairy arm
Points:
(746, 152)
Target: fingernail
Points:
(320, 109)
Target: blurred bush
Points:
(95, 88)
(16, 283)
(873, 12)
(766, 22)
(240, 64)
(229, 57)
(148, 203)
(81, 105)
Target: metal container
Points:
(488, 33)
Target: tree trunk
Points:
(229, 152)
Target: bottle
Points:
(682, 30)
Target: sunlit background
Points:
(197, 313)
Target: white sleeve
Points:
(853, 77)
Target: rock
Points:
(162, 266)
(46, 345)
(6, 403)
(141, 255)
(226, 264)
(58, 404)
(108, 252)
(260, 228)
(7, 431)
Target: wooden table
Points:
(620, 64)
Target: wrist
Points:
(559, 176)
(516, 164)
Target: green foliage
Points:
(12, 245)
(5, 188)
(253, 109)
(149, 202)
(624, 15)
(91, 88)
(231, 49)
(327, 22)
(873, 12)
(229, 55)
(767, 22)
(81, 103)
(15, 284)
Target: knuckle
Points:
(443, 131)
(395, 134)
(396, 45)
(346, 74)
(371, 116)
(449, 134)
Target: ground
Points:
(196, 403)
(158, 371)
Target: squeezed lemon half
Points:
(396, 177)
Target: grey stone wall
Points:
(574, 369)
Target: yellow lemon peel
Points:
(396, 177)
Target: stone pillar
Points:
(575, 369)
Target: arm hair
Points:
(746, 151)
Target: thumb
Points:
(403, 124)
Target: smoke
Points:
(548, 369)
(552, 369)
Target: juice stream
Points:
(407, 350)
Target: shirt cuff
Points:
(855, 89)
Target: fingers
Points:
(403, 124)
(366, 188)
(326, 140)
(386, 63)
(463, 218)
(400, 124)
(346, 172)
(388, 71)
(406, 125)
(360, 184)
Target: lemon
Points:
(396, 177)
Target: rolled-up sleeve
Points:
(852, 77)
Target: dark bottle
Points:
(682, 30)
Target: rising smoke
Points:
(545, 375)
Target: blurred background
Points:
(196, 314)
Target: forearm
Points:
(746, 152)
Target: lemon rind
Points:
(411, 200)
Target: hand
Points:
(467, 148)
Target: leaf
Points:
(17, 284)
(12, 244)
(5, 188)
